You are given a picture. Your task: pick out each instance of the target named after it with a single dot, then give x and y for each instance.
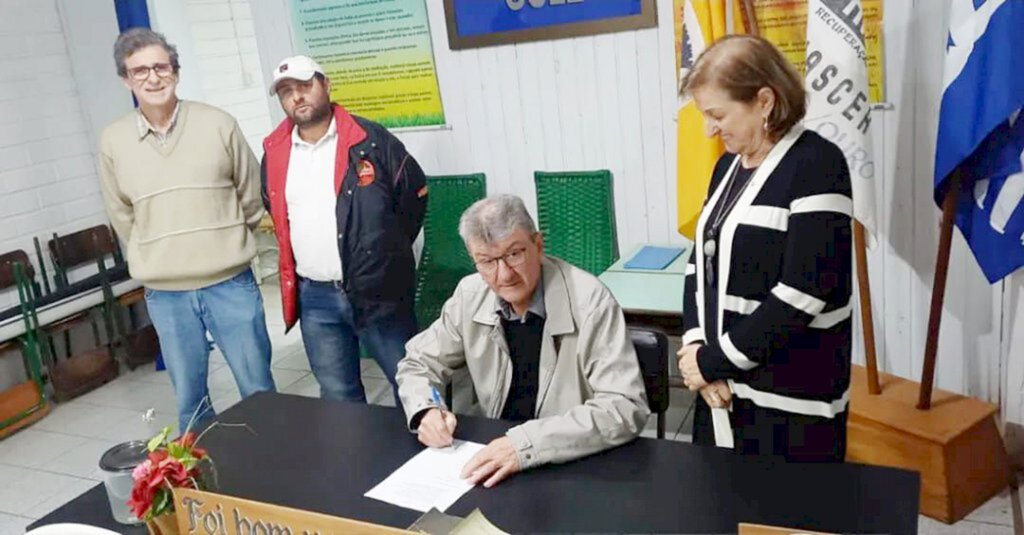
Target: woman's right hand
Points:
(688, 367)
(717, 395)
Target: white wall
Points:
(607, 101)
(603, 102)
(47, 176)
(170, 17)
(58, 89)
(88, 26)
(219, 61)
(228, 63)
(1012, 348)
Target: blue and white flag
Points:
(981, 131)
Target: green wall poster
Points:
(377, 54)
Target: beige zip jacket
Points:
(590, 397)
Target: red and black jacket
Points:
(382, 199)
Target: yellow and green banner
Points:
(378, 56)
(784, 23)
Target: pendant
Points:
(710, 248)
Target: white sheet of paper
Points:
(429, 479)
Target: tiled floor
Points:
(53, 461)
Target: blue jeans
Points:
(332, 341)
(232, 312)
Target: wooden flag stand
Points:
(951, 440)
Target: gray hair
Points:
(135, 39)
(495, 218)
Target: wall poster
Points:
(377, 54)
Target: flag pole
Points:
(924, 400)
(749, 18)
(866, 315)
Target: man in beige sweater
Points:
(182, 190)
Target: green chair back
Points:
(576, 213)
(16, 271)
(444, 261)
(25, 402)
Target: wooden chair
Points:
(127, 299)
(67, 253)
(97, 245)
(25, 402)
(141, 344)
(81, 371)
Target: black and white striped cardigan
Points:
(785, 277)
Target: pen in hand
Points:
(441, 407)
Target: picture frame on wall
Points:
(480, 23)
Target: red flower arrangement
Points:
(170, 464)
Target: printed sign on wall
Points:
(477, 23)
(378, 56)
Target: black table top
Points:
(323, 456)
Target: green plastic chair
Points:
(444, 261)
(576, 214)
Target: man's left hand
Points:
(494, 463)
(689, 369)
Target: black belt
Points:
(337, 285)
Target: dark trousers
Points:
(769, 432)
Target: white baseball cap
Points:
(301, 68)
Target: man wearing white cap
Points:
(347, 201)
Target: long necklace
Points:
(710, 237)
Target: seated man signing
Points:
(545, 344)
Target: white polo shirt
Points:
(309, 192)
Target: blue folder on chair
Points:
(651, 257)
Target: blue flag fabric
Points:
(981, 130)
(131, 14)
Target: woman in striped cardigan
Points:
(767, 302)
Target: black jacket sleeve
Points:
(410, 188)
(263, 183)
